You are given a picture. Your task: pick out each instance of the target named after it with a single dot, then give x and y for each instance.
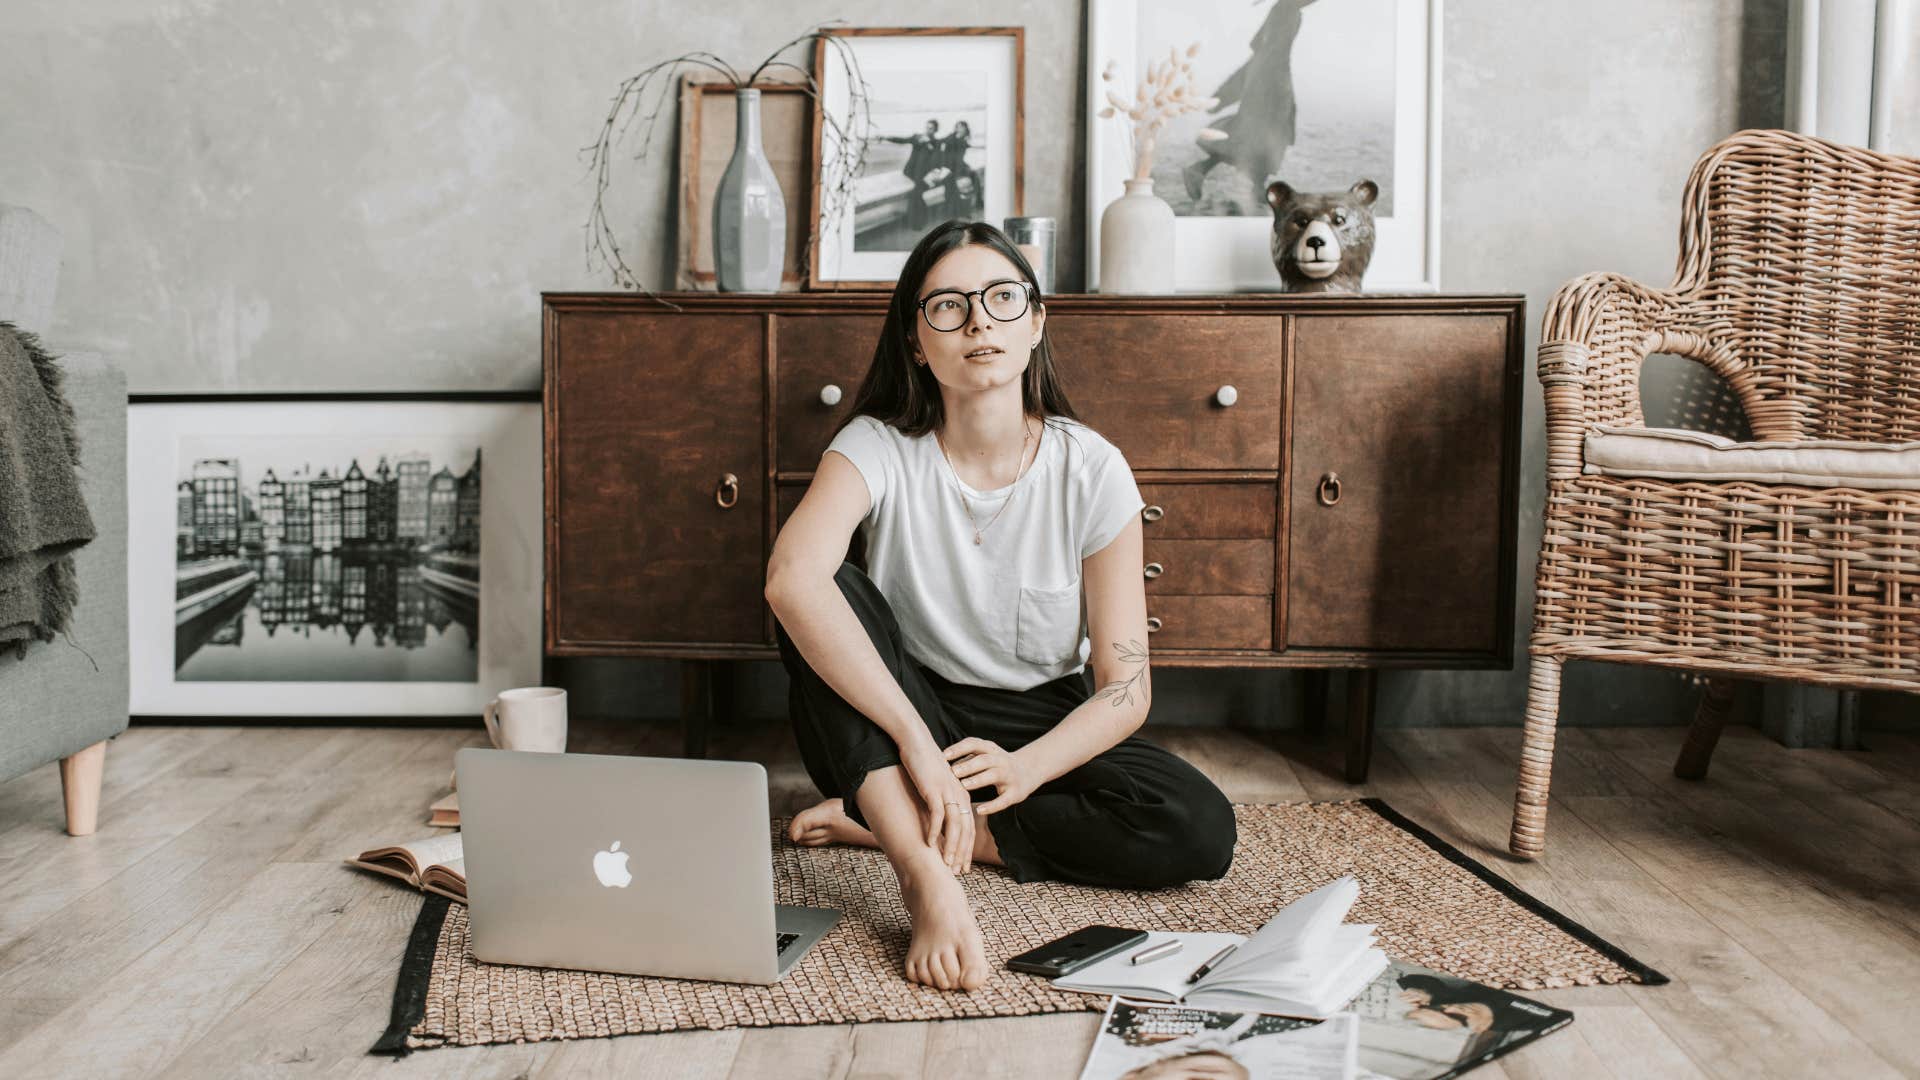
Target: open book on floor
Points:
(1305, 962)
(434, 864)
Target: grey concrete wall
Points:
(357, 196)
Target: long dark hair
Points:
(898, 391)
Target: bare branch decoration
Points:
(845, 163)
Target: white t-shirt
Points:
(1007, 612)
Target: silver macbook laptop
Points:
(644, 866)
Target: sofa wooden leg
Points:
(1529, 835)
(80, 776)
(1716, 706)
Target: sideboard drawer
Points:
(812, 353)
(1207, 511)
(1149, 385)
(1209, 567)
(1210, 622)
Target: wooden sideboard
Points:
(1347, 505)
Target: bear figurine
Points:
(1322, 243)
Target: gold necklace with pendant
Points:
(978, 528)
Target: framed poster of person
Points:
(941, 134)
(332, 555)
(1318, 93)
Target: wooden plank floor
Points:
(209, 929)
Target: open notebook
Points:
(435, 864)
(1304, 962)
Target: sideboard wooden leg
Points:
(1360, 687)
(1314, 705)
(725, 679)
(696, 705)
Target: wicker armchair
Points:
(1793, 557)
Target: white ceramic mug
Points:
(528, 718)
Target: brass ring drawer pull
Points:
(1153, 623)
(1152, 513)
(1329, 490)
(1154, 570)
(729, 492)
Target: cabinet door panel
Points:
(1147, 382)
(653, 410)
(1406, 411)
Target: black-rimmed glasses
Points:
(949, 309)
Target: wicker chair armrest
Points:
(1597, 332)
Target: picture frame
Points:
(953, 76)
(1341, 59)
(706, 145)
(274, 573)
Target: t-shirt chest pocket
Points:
(1048, 626)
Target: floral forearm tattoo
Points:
(1121, 691)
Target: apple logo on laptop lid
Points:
(610, 867)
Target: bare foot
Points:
(947, 950)
(826, 822)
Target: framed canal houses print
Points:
(329, 555)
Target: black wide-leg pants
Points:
(1136, 816)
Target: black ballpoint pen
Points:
(1201, 971)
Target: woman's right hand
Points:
(950, 820)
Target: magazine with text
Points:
(1421, 1024)
(1410, 1023)
(1143, 1040)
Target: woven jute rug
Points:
(1434, 906)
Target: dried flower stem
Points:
(1166, 91)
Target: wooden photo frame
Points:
(968, 82)
(706, 145)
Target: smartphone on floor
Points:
(1065, 955)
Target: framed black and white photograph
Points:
(942, 129)
(1318, 93)
(332, 555)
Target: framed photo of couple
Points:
(1313, 92)
(941, 128)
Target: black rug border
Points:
(416, 967)
(1646, 975)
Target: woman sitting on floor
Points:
(943, 698)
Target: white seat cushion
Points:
(1673, 454)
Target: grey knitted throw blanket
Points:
(43, 516)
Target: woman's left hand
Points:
(987, 763)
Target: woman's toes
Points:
(972, 976)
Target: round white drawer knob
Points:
(829, 395)
(1226, 395)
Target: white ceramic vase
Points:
(749, 210)
(1136, 242)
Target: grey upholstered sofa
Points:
(54, 705)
